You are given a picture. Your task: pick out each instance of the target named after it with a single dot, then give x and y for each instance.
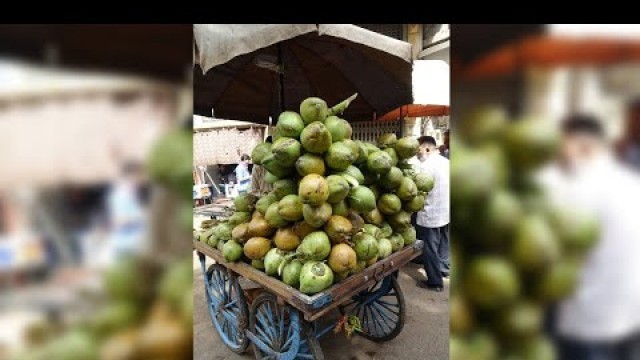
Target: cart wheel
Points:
(381, 310)
(227, 307)
(278, 332)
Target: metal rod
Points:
(281, 77)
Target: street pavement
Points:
(425, 335)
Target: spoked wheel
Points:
(227, 307)
(381, 310)
(278, 332)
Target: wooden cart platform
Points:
(317, 305)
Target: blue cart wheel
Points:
(227, 307)
(279, 332)
(381, 310)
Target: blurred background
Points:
(544, 178)
(91, 125)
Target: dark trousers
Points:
(435, 254)
(627, 349)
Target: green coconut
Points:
(338, 228)
(373, 217)
(392, 179)
(240, 233)
(232, 251)
(245, 202)
(340, 129)
(406, 147)
(289, 124)
(361, 199)
(263, 204)
(392, 154)
(257, 247)
(269, 178)
(379, 162)
(386, 230)
(397, 242)
(286, 239)
(386, 140)
(260, 152)
(310, 164)
(355, 173)
(290, 208)
(291, 273)
(399, 220)
(407, 189)
(372, 230)
(258, 264)
(273, 217)
(315, 246)
(362, 153)
(355, 148)
(316, 216)
(376, 192)
(284, 187)
(223, 231)
(366, 246)
(276, 168)
(315, 276)
(239, 217)
(408, 235)
(339, 156)
(286, 151)
(258, 226)
(424, 182)
(389, 204)
(313, 109)
(371, 148)
(338, 188)
(315, 138)
(272, 261)
(342, 258)
(415, 204)
(340, 208)
(313, 189)
(384, 248)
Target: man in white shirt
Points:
(432, 223)
(602, 317)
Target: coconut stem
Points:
(342, 106)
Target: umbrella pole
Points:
(281, 77)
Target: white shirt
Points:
(606, 303)
(436, 209)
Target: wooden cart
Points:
(281, 322)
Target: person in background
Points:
(629, 146)
(433, 221)
(600, 320)
(444, 148)
(243, 176)
(127, 216)
(258, 185)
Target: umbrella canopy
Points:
(415, 110)
(549, 51)
(265, 69)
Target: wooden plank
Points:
(319, 304)
(344, 290)
(272, 284)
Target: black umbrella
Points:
(266, 81)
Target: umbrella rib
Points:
(361, 95)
